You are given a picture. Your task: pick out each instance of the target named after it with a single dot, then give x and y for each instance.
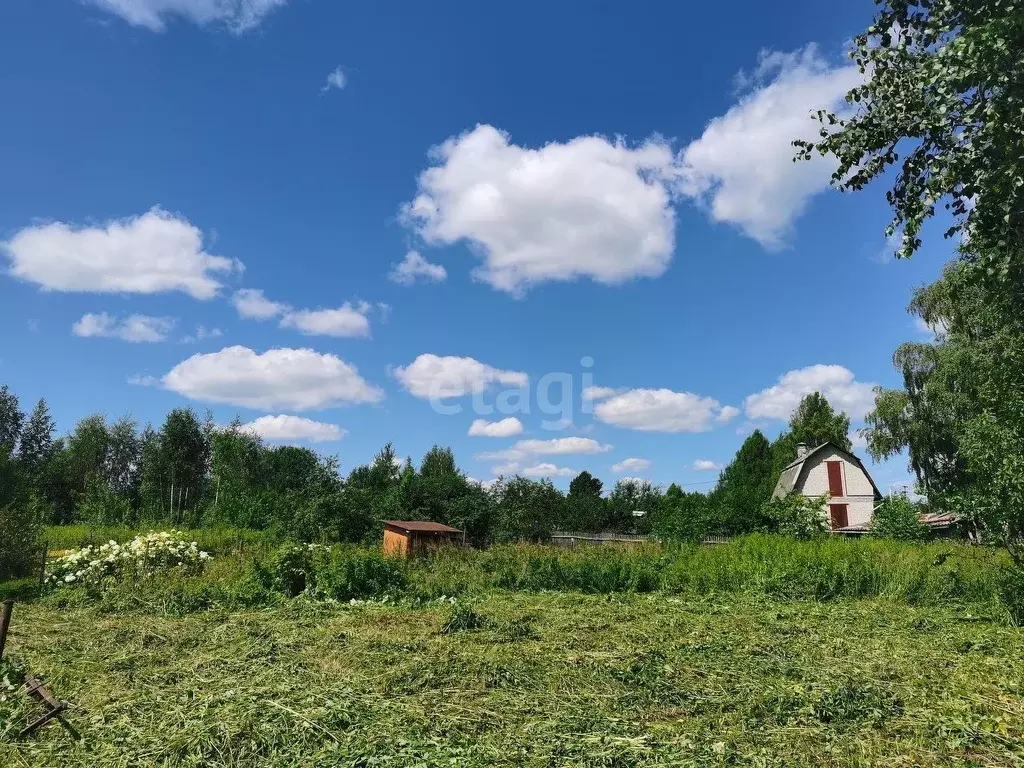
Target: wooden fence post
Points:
(5, 621)
(42, 567)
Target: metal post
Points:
(5, 621)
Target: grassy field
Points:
(523, 678)
(766, 651)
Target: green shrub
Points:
(337, 573)
(797, 515)
(897, 518)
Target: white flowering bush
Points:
(142, 556)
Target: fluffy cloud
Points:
(286, 428)
(727, 414)
(858, 440)
(598, 393)
(287, 379)
(586, 208)
(237, 15)
(706, 465)
(659, 410)
(151, 253)
(337, 79)
(631, 465)
(252, 304)
(134, 328)
(346, 320)
(835, 382)
(559, 446)
(503, 428)
(741, 169)
(414, 267)
(431, 376)
(546, 469)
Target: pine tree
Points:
(36, 445)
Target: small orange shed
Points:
(416, 537)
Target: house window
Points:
(838, 515)
(835, 479)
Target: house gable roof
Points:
(793, 473)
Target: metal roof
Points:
(421, 526)
(790, 476)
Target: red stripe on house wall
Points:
(835, 478)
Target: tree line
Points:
(190, 473)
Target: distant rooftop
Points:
(423, 526)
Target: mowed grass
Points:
(526, 679)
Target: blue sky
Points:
(351, 219)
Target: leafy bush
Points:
(19, 544)
(336, 573)
(798, 515)
(141, 557)
(897, 518)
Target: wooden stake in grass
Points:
(5, 621)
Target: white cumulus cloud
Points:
(659, 410)
(432, 376)
(598, 393)
(346, 320)
(741, 169)
(151, 253)
(588, 207)
(727, 414)
(134, 328)
(632, 465)
(287, 428)
(350, 319)
(252, 304)
(287, 379)
(503, 428)
(546, 469)
(237, 15)
(414, 267)
(835, 382)
(558, 446)
(706, 465)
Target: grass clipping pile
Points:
(514, 679)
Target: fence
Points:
(576, 538)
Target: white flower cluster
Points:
(143, 555)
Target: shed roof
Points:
(790, 476)
(421, 526)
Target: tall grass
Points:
(775, 566)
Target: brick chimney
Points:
(801, 450)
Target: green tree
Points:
(35, 447)
(87, 453)
(813, 423)
(943, 98)
(184, 458)
(527, 509)
(685, 515)
(897, 518)
(11, 420)
(585, 509)
(123, 460)
(627, 500)
(744, 488)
